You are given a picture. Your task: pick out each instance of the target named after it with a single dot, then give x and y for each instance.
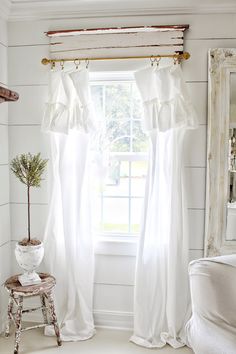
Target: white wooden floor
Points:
(104, 342)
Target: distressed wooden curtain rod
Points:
(178, 56)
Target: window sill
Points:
(117, 246)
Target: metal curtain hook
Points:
(175, 60)
(62, 64)
(53, 64)
(152, 60)
(158, 59)
(87, 63)
(77, 63)
(155, 60)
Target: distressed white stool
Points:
(17, 293)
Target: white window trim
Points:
(117, 246)
(111, 76)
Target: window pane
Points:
(138, 178)
(140, 139)
(115, 215)
(119, 109)
(136, 210)
(120, 145)
(118, 98)
(117, 182)
(118, 134)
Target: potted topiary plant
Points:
(29, 252)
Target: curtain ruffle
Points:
(69, 106)
(165, 98)
(60, 118)
(170, 114)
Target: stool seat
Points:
(17, 293)
(47, 284)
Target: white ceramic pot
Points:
(29, 258)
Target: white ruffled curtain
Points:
(162, 299)
(68, 237)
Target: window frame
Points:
(107, 241)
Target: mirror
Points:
(220, 228)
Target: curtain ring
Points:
(152, 60)
(76, 63)
(155, 60)
(62, 64)
(158, 59)
(53, 64)
(87, 63)
(176, 60)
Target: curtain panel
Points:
(162, 300)
(68, 238)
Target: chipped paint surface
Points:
(115, 30)
(17, 293)
(7, 95)
(48, 282)
(117, 42)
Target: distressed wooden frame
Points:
(136, 29)
(117, 42)
(222, 62)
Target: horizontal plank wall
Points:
(5, 235)
(115, 265)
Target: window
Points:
(125, 145)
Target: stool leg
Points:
(18, 323)
(9, 312)
(54, 317)
(44, 309)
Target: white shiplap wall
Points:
(5, 235)
(113, 300)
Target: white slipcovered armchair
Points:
(212, 327)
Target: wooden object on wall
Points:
(117, 42)
(7, 95)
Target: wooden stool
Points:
(16, 294)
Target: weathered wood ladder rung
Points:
(35, 326)
(13, 314)
(34, 309)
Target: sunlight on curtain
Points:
(162, 297)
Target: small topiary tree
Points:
(28, 169)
